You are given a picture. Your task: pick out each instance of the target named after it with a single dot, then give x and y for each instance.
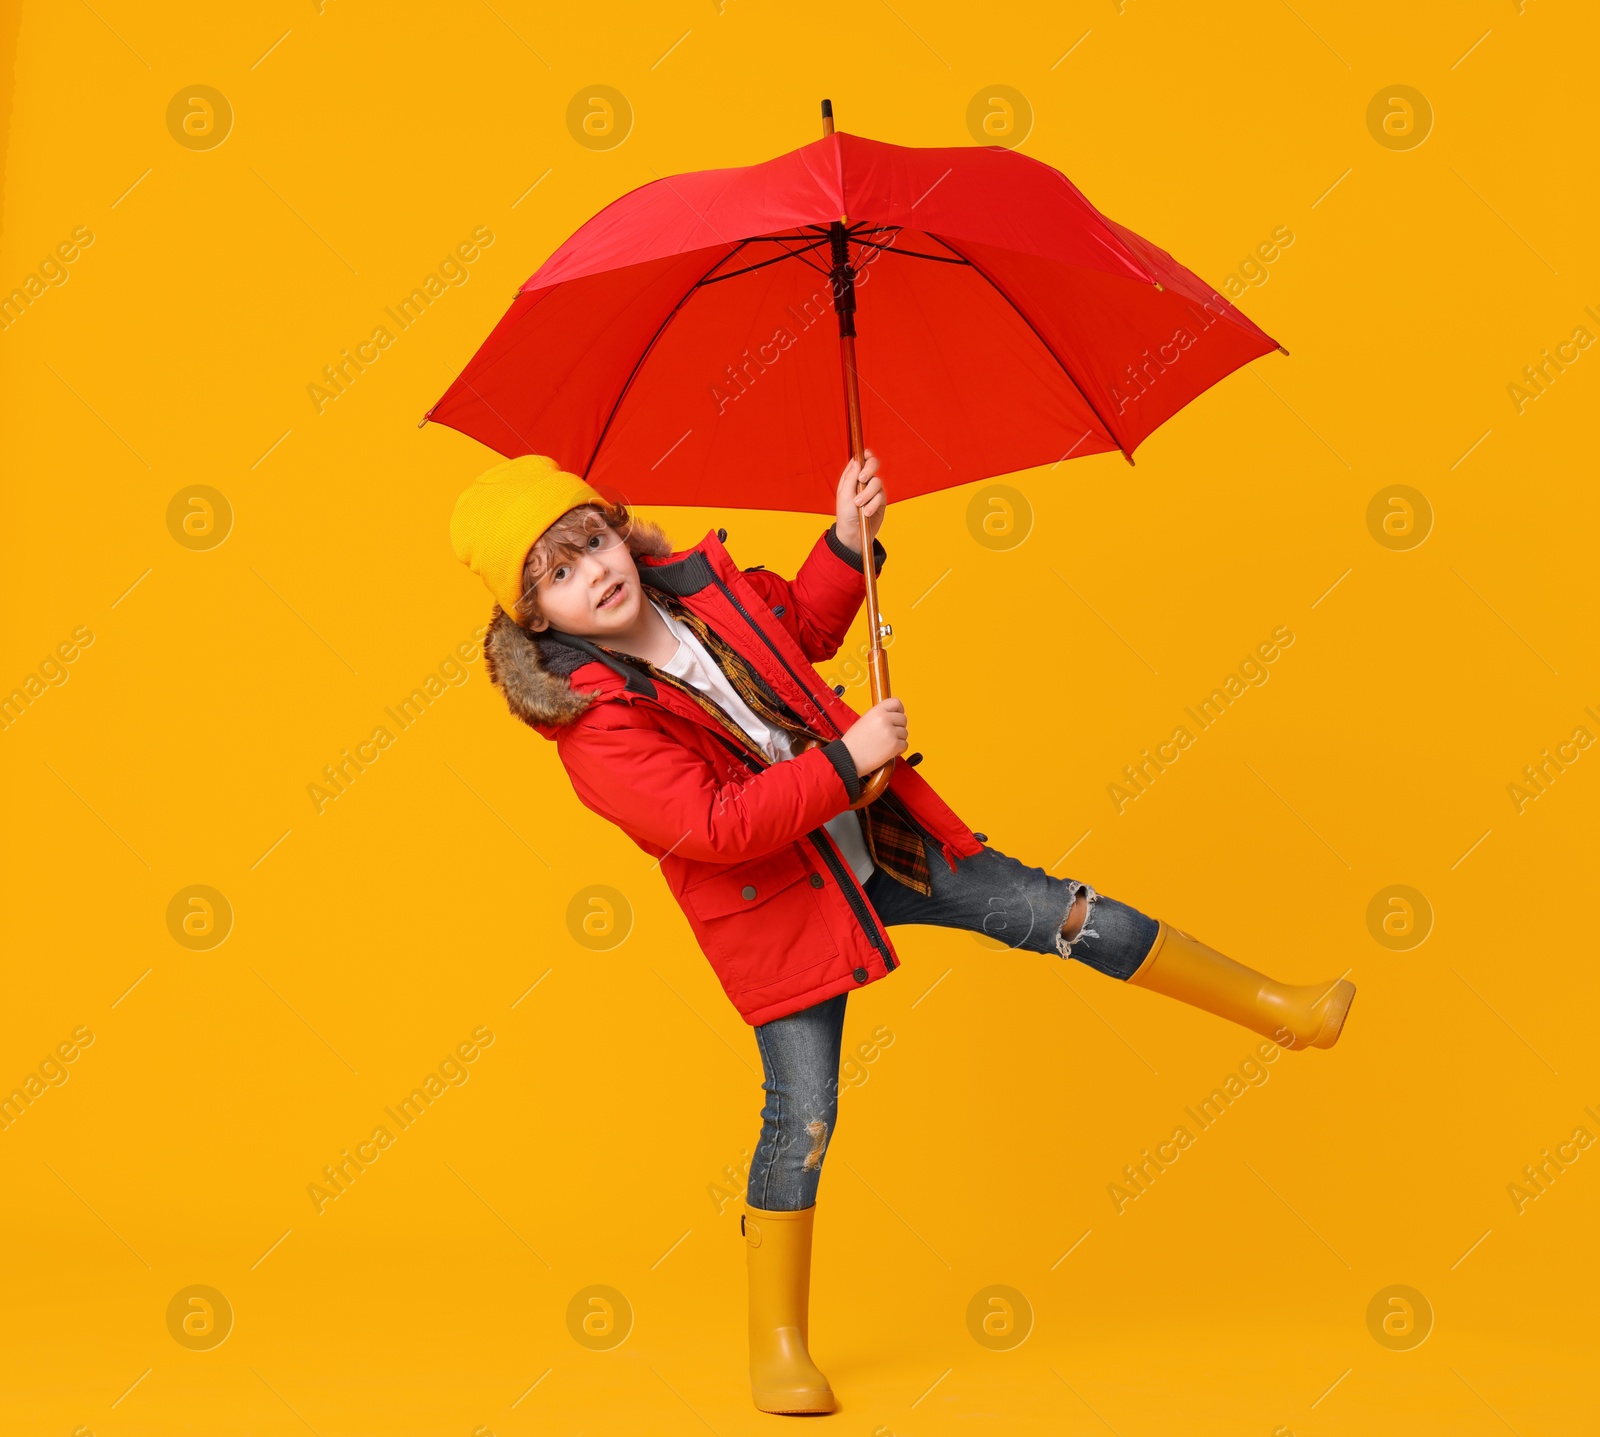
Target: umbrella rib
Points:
(1048, 347)
(860, 227)
(780, 238)
(645, 354)
(911, 253)
(762, 264)
(725, 258)
(799, 254)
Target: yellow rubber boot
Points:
(1293, 1017)
(783, 1377)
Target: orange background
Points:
(595, 1140)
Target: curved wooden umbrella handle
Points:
(875, 783)
(871, 786)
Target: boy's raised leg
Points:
(995, 894)
(1184, 968)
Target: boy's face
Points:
(596, 594)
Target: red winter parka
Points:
(771, 900)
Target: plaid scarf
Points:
(895, 845)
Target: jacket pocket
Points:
(760, 920)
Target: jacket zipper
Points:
(857, 902)
(847, 884)
(744, 613)
(843, 877)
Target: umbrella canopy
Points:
(682, 346)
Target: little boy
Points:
(675, 686)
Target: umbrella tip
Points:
(827, 118)
(1282, 350)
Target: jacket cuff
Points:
(845, 765)
(853, 556)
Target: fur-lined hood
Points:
(534, 671)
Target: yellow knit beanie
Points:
(500, 516)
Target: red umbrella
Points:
(679, 347)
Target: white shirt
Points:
(695, 666)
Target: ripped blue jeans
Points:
(989, 892)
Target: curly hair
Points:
(566, 539)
